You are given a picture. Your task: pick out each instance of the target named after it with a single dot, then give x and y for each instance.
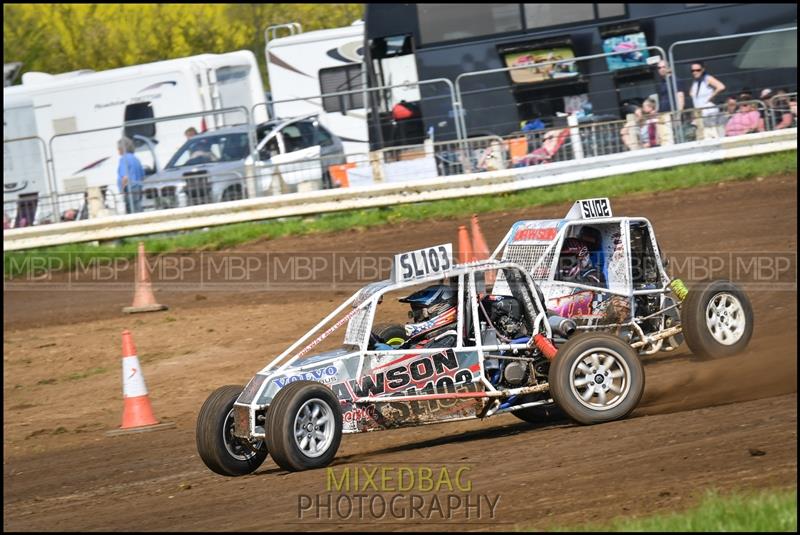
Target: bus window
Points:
(543, 15)
(449, 22)
(610, 10)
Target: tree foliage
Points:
(57, 38)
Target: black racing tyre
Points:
(717, 319)
(596, 378)
(540, 414)
(392, 334)
(304, 426)
(222, 452)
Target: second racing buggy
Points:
(482, 344)
(607, 274)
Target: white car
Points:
(222, 165)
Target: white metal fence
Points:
(460, 186)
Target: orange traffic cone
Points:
(137, 413)
(464, 246)
(143, 298)
(480, 250)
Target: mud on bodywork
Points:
(386, 375)
(383, 375)
(431, 411)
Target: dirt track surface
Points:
(727, 424)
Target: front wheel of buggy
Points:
(304, 426)
(717, 319)
(219, 449)
(596, 378)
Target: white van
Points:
(80, 116)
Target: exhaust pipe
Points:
(562, 326)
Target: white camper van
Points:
(81, 115)
(303, 66)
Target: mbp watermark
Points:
(206, 270)
(770, 270)
(281, 271)
(398, 493)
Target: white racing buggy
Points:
(481, 343)
(606, 273)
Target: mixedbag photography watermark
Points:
(397, 493)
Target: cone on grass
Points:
(143, 298)
(137, 413)
(464, 245)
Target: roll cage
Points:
(364, 303)
(639, 268)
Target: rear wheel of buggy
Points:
(717, 319)
(596, 378)
(219, 449)
(304, 426)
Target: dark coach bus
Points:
(413, 42)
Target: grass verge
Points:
(762, 511)
(67, 257)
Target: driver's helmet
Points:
(431, 303)
(574, 257)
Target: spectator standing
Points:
(190, 132)
(130, 175)
(664, 104)
(746, 120)
(703, 90)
